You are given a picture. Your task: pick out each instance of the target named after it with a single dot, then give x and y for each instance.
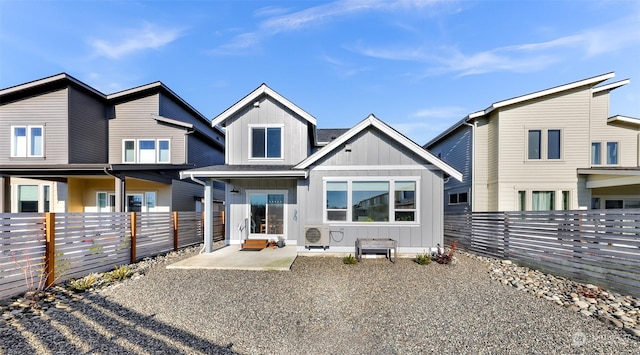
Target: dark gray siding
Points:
(184, 194)
(456, 150)
(88, 129)
(49, 110)
(202, 154)
(133, 120)
(170, 109)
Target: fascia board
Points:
(611, 86)
(625, 119)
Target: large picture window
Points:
(368, 200)
(27, 141)
(266, 142)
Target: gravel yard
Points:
(320, 306)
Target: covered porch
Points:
(613, 187)
(260, 201)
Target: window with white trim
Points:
(544, 144)
(612, 153)
(27, 141)
(146, 151)
(362, 200)
(266, 142)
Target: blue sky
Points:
(418, 65)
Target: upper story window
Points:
(266, 142)
(596, 153)
(146, 151)
(544, 144)
(27, 141)
(359, 200)
(612, 153)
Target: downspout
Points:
(198, 181)
(473, 163)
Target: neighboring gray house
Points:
(324, 188)
(553, 149)
(66, 147)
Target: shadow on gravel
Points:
(95, 325)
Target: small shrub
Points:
(119, 273)
(446, 257)
(84, 283)
(423, 259)
(349, 260)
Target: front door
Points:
(267, 214)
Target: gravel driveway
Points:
(320, 306)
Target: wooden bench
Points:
(377, 243)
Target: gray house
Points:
(66, 147)
(323, 189)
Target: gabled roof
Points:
(256, 94)
(373, 121)
(534, 95)
(48, 83)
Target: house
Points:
(318, 189)
(67, 147)
(555, 149)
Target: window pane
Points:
(36, 141)
(553, 138)
(129, 151)
(405, 216)
(19, 141)
(405, 195)
(150, 200)
(147, 151)
(463, 197)
(534, 144)
(336, 195)
(453, 199)
(163, 151)
(336, 215)
(595, 153)
(258, 142)
(134, 203)
(565, 200)
(543, 200)
(612, 153)
(274, 143)
(522, 200)
(46, 198)
(102, 201)
(275, 210)
(370, 201)
(28, 198)
(613, 204)
(258, 213)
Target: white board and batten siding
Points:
(374, 155)
(295, 141)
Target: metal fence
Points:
(601, 247)
(38, 249)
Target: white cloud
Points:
(135, 40)
(314, 15)
(526, 57)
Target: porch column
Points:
(121, 194)
(5, 194)
(208, 216)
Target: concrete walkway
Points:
(231, 258)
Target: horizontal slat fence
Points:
(22, 249)
(601, 247)
(54, 247)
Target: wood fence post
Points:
(134, 231)
(175, 230)
(50, 248)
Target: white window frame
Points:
(137, 151)
(285, 215)
(15, 193)
(265, 126)
(544, 144)
(599, 143)
(28, 152)
(457, 194)
(606, 153)
(391, 180)
(158, 160)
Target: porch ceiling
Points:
(610, 177)
(223, 172)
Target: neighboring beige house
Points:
(549, 150)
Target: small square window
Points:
(266, 142)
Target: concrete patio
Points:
(230, 257)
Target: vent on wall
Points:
(316, 236)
